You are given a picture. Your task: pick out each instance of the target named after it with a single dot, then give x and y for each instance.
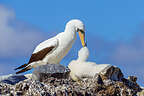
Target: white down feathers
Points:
(81, 68)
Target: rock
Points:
(141, 93)
(66, 87)
(132, 78)
(28, 76)
(12, 79)
(50, 70)
(110, 82)
(111, 72)
(5, 77)
(131, 84)
(98, 79)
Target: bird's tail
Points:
(24, 69)
(22, 66)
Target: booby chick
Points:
(54, 49)
(81, 68)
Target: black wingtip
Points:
(22, 66)
(24, 70)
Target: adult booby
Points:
(54, 49)
(81, 68)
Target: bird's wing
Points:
(44, 48)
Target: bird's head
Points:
(83, 54)
(78, 26)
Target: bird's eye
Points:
(81, 30)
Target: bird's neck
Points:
(70, 28)
(82, 59)
(70, 31)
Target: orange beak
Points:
(82, 38)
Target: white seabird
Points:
(81, 68)
(54, 49)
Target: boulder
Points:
(141, 93)
(67, 87)
(56, 82)
(112, 73)
(50, 70)
(12, 79)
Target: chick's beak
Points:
(82, 38)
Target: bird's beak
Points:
(82, 38)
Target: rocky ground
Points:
(110, 82)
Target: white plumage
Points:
(81, 68)
(50, 42)
(54, 49)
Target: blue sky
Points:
(114, 31)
